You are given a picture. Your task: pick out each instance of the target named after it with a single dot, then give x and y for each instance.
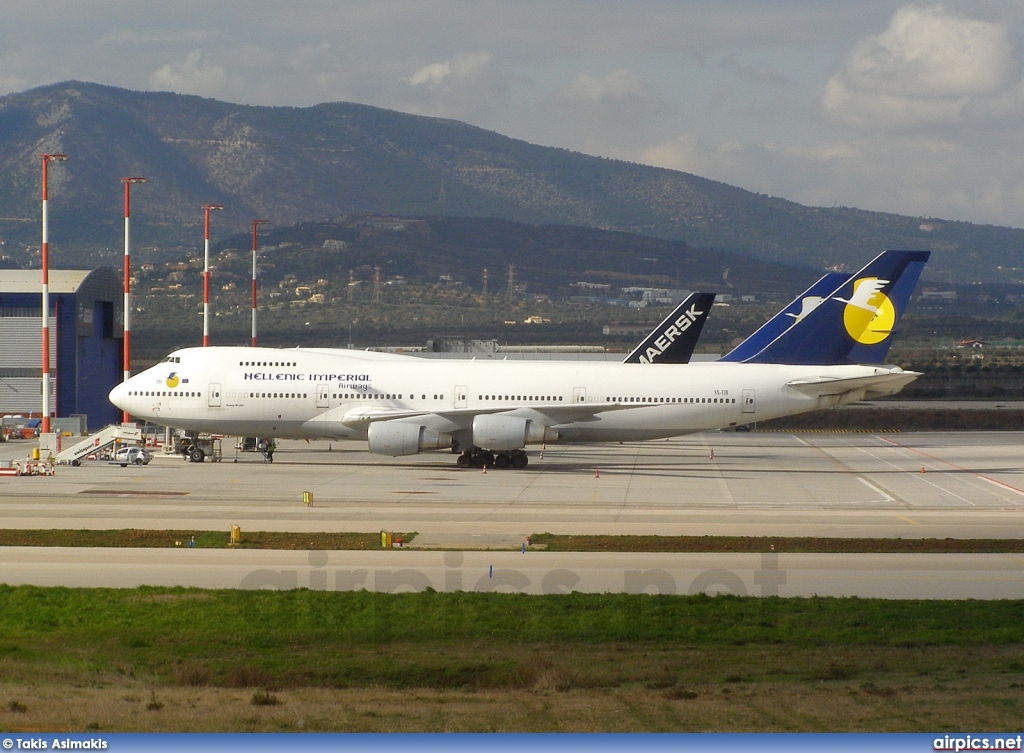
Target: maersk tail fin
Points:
(855, 323)
(800, 307)
(674, 339)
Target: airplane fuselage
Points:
(321, 393)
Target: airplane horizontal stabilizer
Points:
(885, 382)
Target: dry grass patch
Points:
(778, 544)
(920, 705)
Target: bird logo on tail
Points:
(869, 315)
(807, 305)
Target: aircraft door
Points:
(321, 395)
(461, 393)
(213, 398)
(579, 394)
(749, 405)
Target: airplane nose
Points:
(118, 395)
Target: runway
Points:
(956, 576)
(911, 485)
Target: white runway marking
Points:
(869, 485)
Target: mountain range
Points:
(556, 260)
(295, 165)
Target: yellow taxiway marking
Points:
(909, 520)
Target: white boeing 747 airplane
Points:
(491, 410)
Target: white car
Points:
(133, 455)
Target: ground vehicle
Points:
(133, 455)
(196, 447)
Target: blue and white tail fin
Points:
(800, 307)
(855, 323)
(674, 339)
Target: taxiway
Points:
(921, 485)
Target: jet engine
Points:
(504, 433)
(394, 438)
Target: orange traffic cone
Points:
(597, 473)
(922, 469)
(485, 470)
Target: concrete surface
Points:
(920, 485)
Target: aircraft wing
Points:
(557, 414)
(336, 421)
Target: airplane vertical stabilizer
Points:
(674, 339)
(800, 307)
(856, 322)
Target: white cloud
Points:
(431, 75)
(12, 83)
(907, 174)
(758, 73)
(618, 99)
(685, 152)
(756, 167)
(929, 67)
(191, 76)
(469, 86)
(461, 69)
(616, 86)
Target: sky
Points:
(904, 107)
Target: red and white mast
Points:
(45, 253)
(126, 358)
(207, 208)
(255, 224)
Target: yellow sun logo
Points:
(869, 315)
(172, 380)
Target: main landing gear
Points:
(477, 458)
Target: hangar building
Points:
(86, 341)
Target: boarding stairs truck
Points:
(115, 435)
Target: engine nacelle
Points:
(504, 433)
(394, 438)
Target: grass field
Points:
(185, 659)
(136, 537)
(551, 542)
